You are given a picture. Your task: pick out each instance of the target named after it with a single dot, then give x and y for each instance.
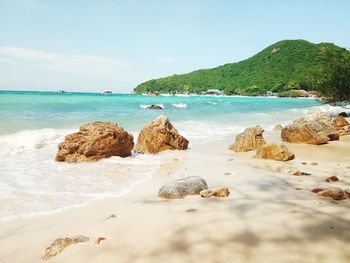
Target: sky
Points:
(96, 45)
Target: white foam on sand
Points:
(31, 182)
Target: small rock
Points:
(314, 163)
(316, 190)
(222, 192)
(304, 163)
(288, 170)
(277, 152)
(305, 174)
(227, 173)
(181, 188)
(335, 193)
(191, 210)
(278, 127)
(206, 193)
(231, 159)
(332, 178)
(155, 107)
(99, 240)
(61, 243)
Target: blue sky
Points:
(97, 45)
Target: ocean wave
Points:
(30, 140)
(180, 105)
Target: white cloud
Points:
(60, 62)
(40, 68)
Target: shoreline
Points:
(264, 209)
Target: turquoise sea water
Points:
(37, 110)
(32, 124)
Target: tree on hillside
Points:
(333, 83)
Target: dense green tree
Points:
(333, 83)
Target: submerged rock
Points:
(160, 135)
(277, 152)
(181, 188)
(251, 139)
(155, 107)
(61, 243)
(313, 129)
(95, 141)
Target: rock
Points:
(304, 163)
(313, 129)
(344, 114)
(95, 141)
(99, 240)
(277, 152)
(314, 163)
(249, 140)
(288, 170)
(222, 192)
(278, 127)
(191, 210)
(316, 190)
(61, 243)
(160, 135)
(181, 188)
(347, 191)
(332, 178)
(155, 107)
(335, 193)
(341, 125)
(227, 173)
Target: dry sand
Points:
(269, 216)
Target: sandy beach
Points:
(269, 216)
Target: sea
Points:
(32, 124)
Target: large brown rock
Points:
(251, 139)
(277, 152)
(160, 135)
(95, 141)
(313, 129)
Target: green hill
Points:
(285, 65)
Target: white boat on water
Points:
(107, 92)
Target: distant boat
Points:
(107, 92)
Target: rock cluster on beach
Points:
(160, 135)
(251, 139)
(313, 129)
(95, 141)
(98, 140)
